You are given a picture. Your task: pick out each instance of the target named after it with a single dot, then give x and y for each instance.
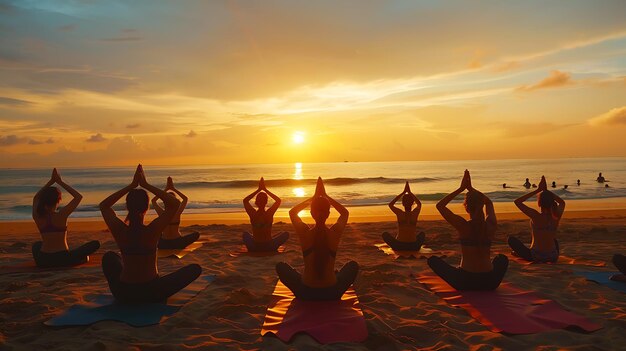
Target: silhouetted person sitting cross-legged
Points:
(477, 271)
(319, 249)
(407, 239)
(262, 220)
(133, 277)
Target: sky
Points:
(111, 83)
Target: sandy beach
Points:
(400, 312)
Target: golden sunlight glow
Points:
(304, 213)
(299, 192)
(297, 173)
(298, 137)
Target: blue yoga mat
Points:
(104, 308)
(603, 279)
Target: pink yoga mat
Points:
(325, 321)
(424, 252)
(508, 309)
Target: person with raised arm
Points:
(319, 250)
(262, 220)
(407, 239)
(477, 271)
(133, 277)
(544, 247)
(171, 237)
(53, 250)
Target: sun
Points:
(298, 137)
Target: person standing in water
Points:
(134, 277)
(527, 184)
(477, 271)
(544, 247)
(319, 250)
(600, 178)
(171, 237)
(262, 220)
(53, 250)
(407, 238)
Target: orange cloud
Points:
(554, 80)
(96, 138)
(615, 116)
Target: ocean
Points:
(221, 188)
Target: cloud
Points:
(121, 39)
(554, 80)
(191, 134)
(96, 138)
(13, 102)
(522, 130)
(133, 125)
(67, 28)
(12, 139)
(615, 116)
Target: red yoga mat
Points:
(325, 321)
(508, 309)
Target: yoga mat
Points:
(30, 267)
(602, 278)
(562, 260)
(104, 308)
(243, 251)
(179, 253)
(508, 309)
(423, 252)
(325, 321)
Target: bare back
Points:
(324, 275)
(53, 230)
(261, 221)
(407, 226)
(543, 230)
(139, 252)
(475, 239)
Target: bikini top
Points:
(480, 242)
(259, 225)
(50, 227)
(473, 242)
(405, 221)
(136, 248)
(550, 226)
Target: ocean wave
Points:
(289, 182)
(348, 199)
